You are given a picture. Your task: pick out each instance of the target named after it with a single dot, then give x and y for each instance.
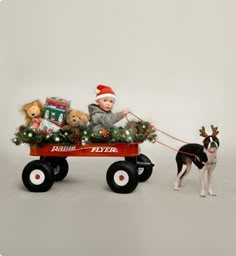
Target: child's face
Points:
(106, 103)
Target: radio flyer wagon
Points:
(122, 176)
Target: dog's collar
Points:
(209, 151)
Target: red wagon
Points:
(122, 176)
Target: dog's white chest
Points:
(211, 159)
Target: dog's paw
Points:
(211, 194)
(176, 185)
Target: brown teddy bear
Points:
(33, 113)
(75, 118)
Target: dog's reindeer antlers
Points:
(204, 134)
(214, 130)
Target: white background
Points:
(170, 62)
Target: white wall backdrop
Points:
(170, 62)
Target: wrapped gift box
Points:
(55, 109)
(48, 126)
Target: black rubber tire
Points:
(144, 172)
(122, 177)
(59, 166)
(37, 176)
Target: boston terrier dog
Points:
(203, 156)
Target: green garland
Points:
(131, 132)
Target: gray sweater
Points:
(101, 119)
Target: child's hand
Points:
(125, 112)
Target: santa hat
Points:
(104, 91)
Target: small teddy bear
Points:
(75, 118)
(33, 113)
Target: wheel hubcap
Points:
(121, 178)
(56, 170)
(140, 170)
(37, 177)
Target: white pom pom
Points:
(97, 91)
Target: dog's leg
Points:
(201, 176)
(209, 179)
(187, 170)
(181, 180)
(177, 179)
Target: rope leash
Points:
(154, 140)
(157, 129)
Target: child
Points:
(101, 116)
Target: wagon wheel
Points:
(122, 177)
(59, 166)
(37, 176)
(144, 166)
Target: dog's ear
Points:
(214, 130)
